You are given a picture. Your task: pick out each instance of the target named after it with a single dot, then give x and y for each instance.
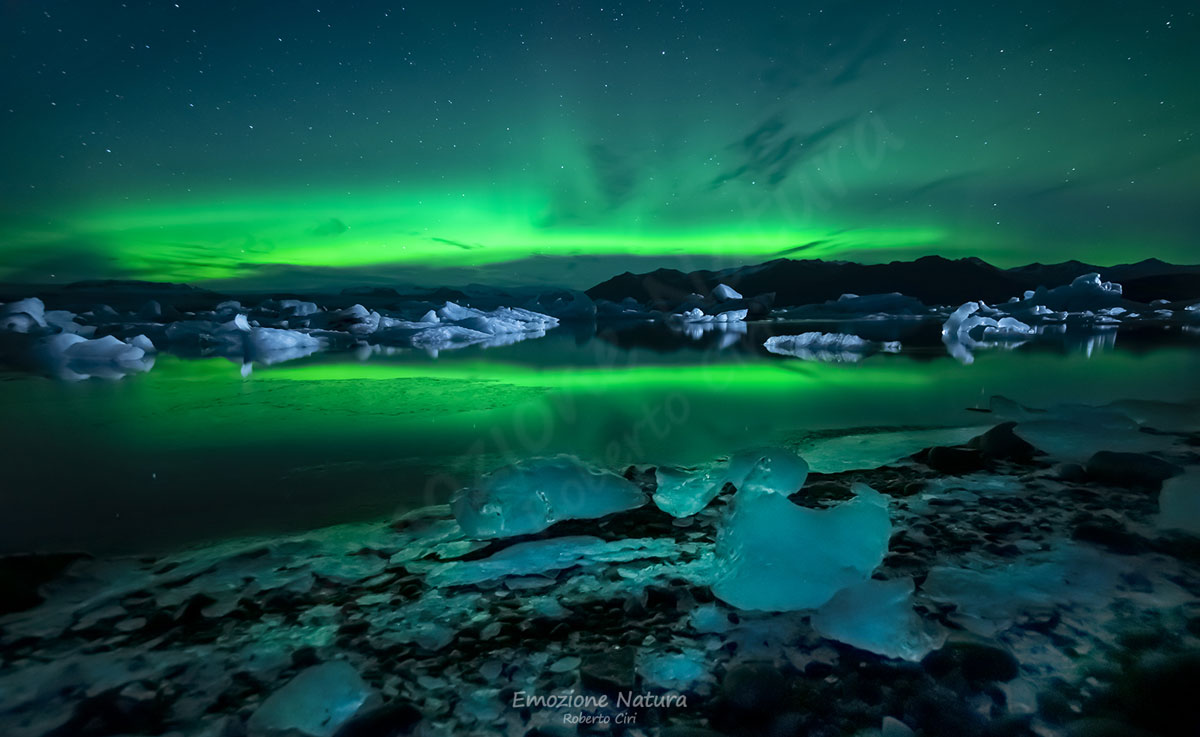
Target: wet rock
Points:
(754, 688)
(788, 724)
(1159, 694)
(940, 712)
(1101, 727)
(977, 660)
(130, 710)
(1110, 535)
(394, 719)
(1133, 470)
(1002, 444)
(22, 575)
(1070, 472)
(608, 672)
(954, 461)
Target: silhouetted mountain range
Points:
(932, 279)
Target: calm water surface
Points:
(194, 450)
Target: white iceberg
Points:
(23, 316)
(835, 347)
(724, 292)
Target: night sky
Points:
(273, 144)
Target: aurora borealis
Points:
(228, 143)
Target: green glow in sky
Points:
(226, 241)
(448, 143)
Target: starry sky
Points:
(275, 145)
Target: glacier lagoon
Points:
(194, 450)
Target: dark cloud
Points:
(769, 154)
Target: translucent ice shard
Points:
(316, 702)
(530, 496)
(878, 616)
(1179, 503)
(777, 556)
(684, 492)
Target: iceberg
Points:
(816, 346)
(530, 496)
(23, 316)
(878, 616)
(774, 555)
(966, 329)
(724, 292)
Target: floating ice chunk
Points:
(878, 616)
(298, 308)
(452, 312)
(1068, 575)
(65, 347)
(429, 317)
(679, 671)
(1179, 503)
(530, 496)
(64, 320)
(684, 492)
(275, 345)
(554, 554)
(789, 344)
(316, 702)
(815, 346)
(774, 555)
(725, 292)
(697, 315)
(141, 341)
(23, 315)
(239, 324)
(966, 329)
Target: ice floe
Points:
(530, 496)
(833, 347)
(775, 555)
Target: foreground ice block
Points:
(530, 496)
(1179, 503)
(774, 555)
(878, 616)
(684, 492)
(317, 702)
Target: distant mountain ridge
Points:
(931, 279)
